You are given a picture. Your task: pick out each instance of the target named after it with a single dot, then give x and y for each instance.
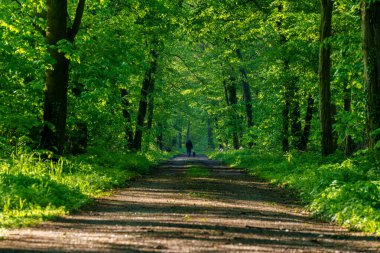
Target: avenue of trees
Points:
(133, 75)
(94, 93)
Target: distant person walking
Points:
(189, 147)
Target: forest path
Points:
(227, 211)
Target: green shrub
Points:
(33, 189)
(346, 191)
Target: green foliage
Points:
(33, 189)
(197, 43)
(345, 191)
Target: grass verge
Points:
(345, 191)
(33, 189)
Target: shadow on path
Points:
(227, 211)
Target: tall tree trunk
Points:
(210, 138)
(150, 110)
(148, 82)
(287, 91)
(128, 129)
(286, 109)
(295, 114)
(226, 93)
(179, 127)
(296, 126)
(306, 130)
(285, 122)
(188, 130)
(160, 136)
(370, 13)
(180, 139)
(247, 96)
(325, 107)
(57, 77)
(220, 141)
(55, 106)
(349, 144)
(232, 98)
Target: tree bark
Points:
(210, 138)
(296, 126)
(57, 77)
(188, 130)
(370, 13)
(178, 127)
(295, 114)
(306, 130)
(247, 96)
(55, 106)
(160, 136)
(349, 144)
(285, 122)
(226, 93)
(148, 82)
(325, 112)
(286, 93)
(232, 102)
(179, 139)
(220, 141)
(128, 129)
(150, 108)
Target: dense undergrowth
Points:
(33, 189)
(345, 191)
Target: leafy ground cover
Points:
(345, 191)
(33, 189)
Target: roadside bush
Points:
(345, 191)
(33, 189)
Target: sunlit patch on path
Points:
(221, 211)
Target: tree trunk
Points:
(286, 94)
(296, 126)
(160, 136)
(295, 114)
(306, 130)
(370, 13)
(179, 139)
(220, 141)
(349, 144)
(188, 130)
(55, 106)
(285, 122)
(128, 129)
(210, 138)
(150, 111)
(325, 112)
(57, 77)
(232, 99)
(226, 93)
(247, 96)
(148, 82)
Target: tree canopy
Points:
(101, 90)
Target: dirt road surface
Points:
(167, 211)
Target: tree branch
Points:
(39, 29)
(18, 2)
(73, 31)
(189, 69)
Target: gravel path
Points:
(169, 212)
